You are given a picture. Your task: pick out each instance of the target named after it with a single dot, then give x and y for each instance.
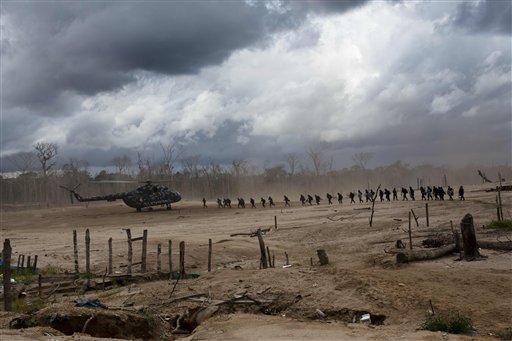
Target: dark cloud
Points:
(87, 48)
(491, 16)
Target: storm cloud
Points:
(424, 82)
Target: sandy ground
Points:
(362, 275)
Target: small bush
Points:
(51, 270)
(451, 322)
(502, 225)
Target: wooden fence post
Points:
(275, 222)
(158, 260)
(286, 256)
(182, 260)
(415, 218)
(110, 256)
(170, 259)
(29, 264)
(263, 255)
(40, 285)
(210, 255)
(426, 213)
(130, 250)
(75, 251)
(34, 266)
(87, 252)
(144, 251)
(6, 256)
(410, 235)
(22, 262)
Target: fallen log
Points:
(495, 245)
(418, 255)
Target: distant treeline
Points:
(216, 181)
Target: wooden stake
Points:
(40, 285)
(415, 218)
(130, 251)
(275, 222)
(273, 261)
(158, 260)
(28, 262)
(373, 205)
(75, 251)
(18, 266)
(286, 256)
(34, 266)
(87, 252)
(182, 260)
(263, 255)
(426, 213)
(110, 256)
(210, 246)
(269, 258)
(410, 236)
(6, 256)
(22, 262)
(170, 259)
(144, 251)
(500, 206)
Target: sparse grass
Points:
(451, 322)
(26, 305)
(51, 270)
(25, 276)
(501, 225)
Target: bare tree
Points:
(316, 155)
(145, 166)
(171, 153)
(122, 163)
(191, 165)
(292, 159)
(240, 167)
(361, 159)
(24, 161)
(47, 155)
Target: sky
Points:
(421, 82)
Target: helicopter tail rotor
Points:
(72, 192)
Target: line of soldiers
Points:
(428, 193)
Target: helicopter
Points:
(144, 196)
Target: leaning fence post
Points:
(6, 256)
(144, 250)
(209, 255)
(263, 255)
(87, 252)
(130, 250)
(75, 251)
(110, 256)
(410, 235)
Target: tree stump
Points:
(469, 243)
(322, 256)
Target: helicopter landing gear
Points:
(138, 209)
(150, 208)
(168, 207)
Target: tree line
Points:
(39, 176)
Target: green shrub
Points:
(502, 225)
(451, 322)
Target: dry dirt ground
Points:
(362, 276)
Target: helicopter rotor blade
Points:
(114, 181)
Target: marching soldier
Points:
(271, 202)
(204, 203)
(329, 198)
(253, 203)
(340, 198)
(286, 201)
(302, 199)
(263, 202)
